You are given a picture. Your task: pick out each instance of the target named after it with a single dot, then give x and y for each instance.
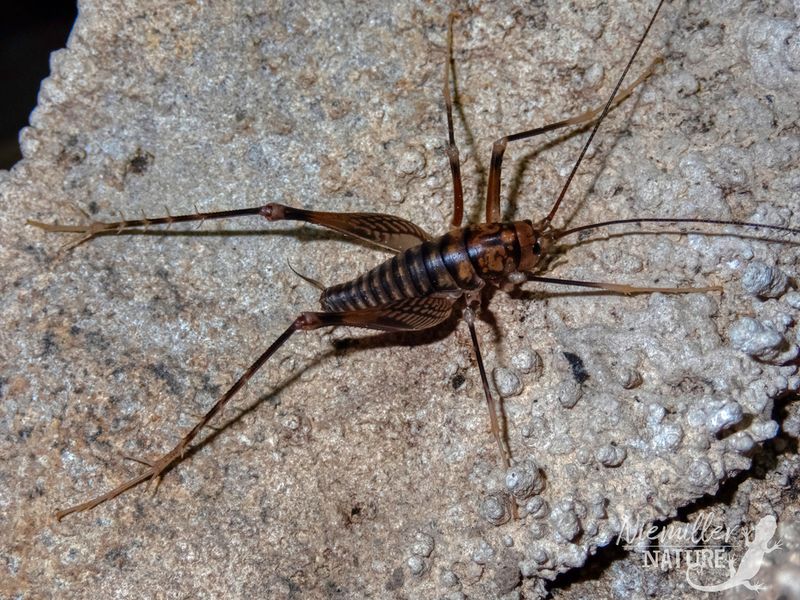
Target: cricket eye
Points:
(537, 248)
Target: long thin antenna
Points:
(602, 116)
(560, 234)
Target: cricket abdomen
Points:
(459, 261)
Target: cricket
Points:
(429, 277)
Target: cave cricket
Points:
(429, 276)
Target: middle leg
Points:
(495, 422)
(496, 415)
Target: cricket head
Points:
(535, 241)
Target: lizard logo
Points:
(751, 561)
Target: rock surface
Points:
(359, 465)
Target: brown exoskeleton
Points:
(428, 277)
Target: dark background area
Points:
(29, 32)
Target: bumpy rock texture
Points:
(362, 464)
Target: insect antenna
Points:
(606, 109)
(666, 220)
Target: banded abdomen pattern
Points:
(459, 261)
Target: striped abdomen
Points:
(459, 261)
